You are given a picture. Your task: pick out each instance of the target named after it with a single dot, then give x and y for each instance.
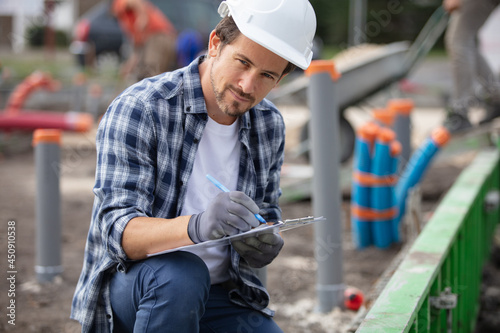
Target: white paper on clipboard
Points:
(281, 225)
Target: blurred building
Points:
(17, 16)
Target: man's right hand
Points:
(228, 214)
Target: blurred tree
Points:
(35, 35)
(332, 19)
(387, 20)
(394, 20)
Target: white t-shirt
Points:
(218, 154)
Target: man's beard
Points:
(233, 109)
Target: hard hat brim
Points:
(259, 35)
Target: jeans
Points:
(172, 293)
(467, 62)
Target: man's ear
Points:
(213, 44)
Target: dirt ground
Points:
(291, 277)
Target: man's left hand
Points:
(259, 250)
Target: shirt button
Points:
(196, 140)
(188, 108)
(108, 316)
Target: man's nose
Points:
(247, 82)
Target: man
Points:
(155, 145)
(467, 63)
(153, 38)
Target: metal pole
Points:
(79, 88)
(402, 125)
(325, 153)
(402, 128)
(357, 22)
(48, 211)
(94, 100)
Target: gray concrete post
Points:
(94, 101)
(325, 153)
(402, 128)
(357, 22)
(79, 88)
(47, 208)
(402, 108)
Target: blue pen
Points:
(225, 189)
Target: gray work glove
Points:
(259, 250)
(228, 214)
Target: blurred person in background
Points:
(153, 38)
(467, 63)
(189, 46)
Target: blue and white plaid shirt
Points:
(146, 146)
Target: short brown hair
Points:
(228, 31)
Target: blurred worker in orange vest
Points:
(153, 37)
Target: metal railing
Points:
(437, 285)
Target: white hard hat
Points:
(285, 27)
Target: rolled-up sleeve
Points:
(125, 174)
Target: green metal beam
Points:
(450, 252)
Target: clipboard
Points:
(264, 228)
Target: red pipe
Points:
(31, 120)
(35, 81)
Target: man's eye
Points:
(243, 62)
(268, 76)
